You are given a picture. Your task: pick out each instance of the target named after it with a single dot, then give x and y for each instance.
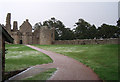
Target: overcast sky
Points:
(68, 12)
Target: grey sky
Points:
(68, 12)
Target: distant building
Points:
(25, 35)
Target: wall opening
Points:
(21, 42)
(52, 35)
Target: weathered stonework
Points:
(88, 41)
(16, 36)
(36, 36)
(25, 34)
(26, 27)
(15, 26)
(46, 35)
(8, 23)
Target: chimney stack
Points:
(8, 23)
(15, 26)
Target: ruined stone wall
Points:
(46, 36)
(25, 34)
(88, 41)
(53, 35)
(8, 23)
(15, 26)
(16, 36)
(36, 36)
(26, 27)
(24, 38)
(35, 40)
(27, 38)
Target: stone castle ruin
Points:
(44, 35)
(24, 35)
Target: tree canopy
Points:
(82, 30)
(61, 33)
(118, 22)
(108, 31)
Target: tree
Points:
(57, 24)
(81, 30)
(107, 31)
(67, 34)
(118, 22)
(61, 33)
(92, 32)
(118, 25)
(37, 25)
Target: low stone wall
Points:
(88, 41)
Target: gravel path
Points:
(67, 68)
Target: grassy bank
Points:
(103, 59)
(19, 57)
(43, 75)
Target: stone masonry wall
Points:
(30, 38)
(15, 26)
(8, 23)
(16, 37)
(26, 27)
(36, 36)
(24, 35)
(88, 41)
(45, 35)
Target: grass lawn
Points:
(43, 75)
(103, 59)
(19, 57)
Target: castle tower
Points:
(8, 21)
(15, 26)
(46, 36)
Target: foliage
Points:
(57, 24)
(92, 32)
(67, 34)
(108, 31)
(103, 59)
(61, 33)
(82, 30)
(118, 22)
(37, 25)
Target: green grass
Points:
(43, 75)
(103, 59)
(19, 57)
